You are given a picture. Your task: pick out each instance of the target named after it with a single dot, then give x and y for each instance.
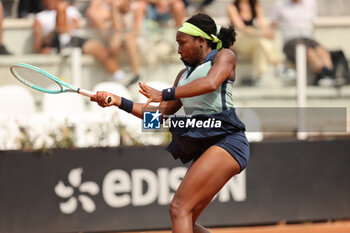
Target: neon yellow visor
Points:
(193, 30)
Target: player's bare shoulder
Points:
(226, 55)
(227, 52)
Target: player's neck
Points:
(204, 54)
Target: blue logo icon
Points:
(151, 120)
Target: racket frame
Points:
(65, 87)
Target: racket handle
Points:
(90, 93)
(85, 92)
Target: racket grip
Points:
(85, 92)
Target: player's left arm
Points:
(224, 64)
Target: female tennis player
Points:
(204, 89)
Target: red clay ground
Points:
(329, 227)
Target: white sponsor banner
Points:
(140, 187)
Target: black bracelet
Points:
(126, 105)
(169, 94)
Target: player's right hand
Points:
(102, 97)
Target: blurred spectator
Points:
(55, 28)
(201, 8)
(163, 10)
(296, 18)
(26, 7)
(3, 50)
(256, 39)
(204, 5)
(119, 23)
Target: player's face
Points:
(189, 48)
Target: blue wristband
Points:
(126, 105)
(168, 94)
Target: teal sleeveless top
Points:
(188, 143)
(209, 103)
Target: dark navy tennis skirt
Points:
(188, 144)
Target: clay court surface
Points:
(334, 227)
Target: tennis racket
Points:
(43, 81)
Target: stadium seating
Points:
(16, 100)
(66, 104)
(332, 30)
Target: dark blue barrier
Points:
(130, 188)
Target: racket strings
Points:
(36, 78)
